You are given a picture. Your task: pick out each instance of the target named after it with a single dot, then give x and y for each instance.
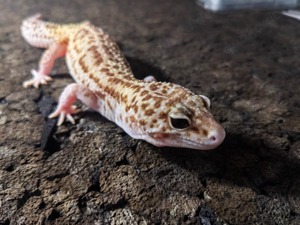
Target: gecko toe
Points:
(37, 79)
(64, 113)
(70, 118)
(61, 118)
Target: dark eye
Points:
(179, 123)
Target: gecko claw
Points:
(37, 79)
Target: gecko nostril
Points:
(213, 138)
(217, 135)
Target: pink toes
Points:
(64, 112)
(37, 79)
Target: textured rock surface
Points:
(93, 173)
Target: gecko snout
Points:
(216, 136)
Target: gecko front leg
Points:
(71, 93)
(48, 58)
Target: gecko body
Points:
(163, 114)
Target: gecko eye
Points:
(179, 121)
(206, 101)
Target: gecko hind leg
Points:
(70, 94)
(150, 78)
(48, 58)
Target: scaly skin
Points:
(163, 114)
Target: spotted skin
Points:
(160, 113)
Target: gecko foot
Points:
(37, 79)
(64, 112)
(150, 78)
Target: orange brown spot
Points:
(133, 99)
(104, 70)
(162, 115)
(157, 104)
(146, 98)
(195, 129)
(109, 106)
(135, 88)
(107, 51)
(164, 91)
(144, 92)
(144, 105)
(143, 122)
(109, 74)
(124, 97)
(153, 87)
(149, 112)
(100, 95)
(76, 49)
(192, 103)
(111, 80)
(132, 119)
(135, 108)
(82, 64)
(47, 25)
(80, 34)
(127, 108)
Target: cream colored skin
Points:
(163, 114)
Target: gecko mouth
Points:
(173, 140)
(196, 145)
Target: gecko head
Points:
(185, 121)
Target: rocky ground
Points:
(94, 173)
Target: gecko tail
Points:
(42, 34)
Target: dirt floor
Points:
(247, 63)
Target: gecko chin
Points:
(213, 140)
